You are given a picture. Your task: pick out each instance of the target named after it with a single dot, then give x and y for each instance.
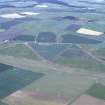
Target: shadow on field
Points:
(4, 67)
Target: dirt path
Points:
(45, 66)
(91, 55)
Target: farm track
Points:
(91, 55)
(39, 66)
(58, 55)
(42, 65)
(35, 52)
(58, 65)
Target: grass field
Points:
(21, 98)
(99, 52)
(42, 26)
(50, 73)
(4, 67)
(61, 85)
(88, 100)
(97, 90)
(17, 50)
(79, 58)
(14, 79)
(96, 50)
(1, 103)
(48, 52)
(83, 63)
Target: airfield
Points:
(52, 52)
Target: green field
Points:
(4, 67)
(48, 52)
(82, 63)
(64, 84)
(1, 103)
(17, 50)
(46, 25)
(76, 57)
(97, 90)
(14, 79)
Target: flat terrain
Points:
(52, 52)
(85, 99)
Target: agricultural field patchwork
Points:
(52, 52)
(48, 51)
(17, 50)
(13, 79)
(78, 58)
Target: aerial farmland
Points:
(52, 52)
